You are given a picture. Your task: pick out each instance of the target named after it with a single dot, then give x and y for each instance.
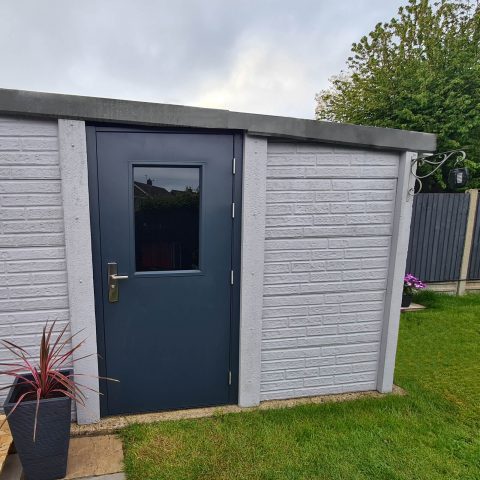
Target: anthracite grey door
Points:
(165, 222)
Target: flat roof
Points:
(92, 109)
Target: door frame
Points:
(93, 187)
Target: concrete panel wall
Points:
(253, 248)
(327, 245)
(329, 222)
(33, 277)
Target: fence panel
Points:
(474, 267)
(437, 236)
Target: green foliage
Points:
(430, 433)
(419, 71)
(187, 199)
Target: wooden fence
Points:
(474, 267)
(444, 248)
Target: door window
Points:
(167, 218)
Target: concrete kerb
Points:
(112, 425)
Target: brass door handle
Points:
(113, 279)
(119, 277)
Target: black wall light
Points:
(457, 177)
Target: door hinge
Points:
(231, 277)
(229, 377)
(234, 165)
(233, 210)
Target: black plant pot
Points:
(406, 300)
(46, 457)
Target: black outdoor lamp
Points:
(457, 177)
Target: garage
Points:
(216, 257)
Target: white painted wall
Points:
(330, 214)
(33, 277)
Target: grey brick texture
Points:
(33, 279)
(328, 235)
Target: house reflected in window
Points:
(167, 212)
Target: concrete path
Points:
(414, 307)
(84, 460)
(5, 441)
(13, 471)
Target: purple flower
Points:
(411, 283)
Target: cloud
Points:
(265, 56)
(262, 79)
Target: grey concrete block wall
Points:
(328, 238)
(33, 278)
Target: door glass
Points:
(167, 211)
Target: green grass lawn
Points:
(431, 433)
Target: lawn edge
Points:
(111, 425)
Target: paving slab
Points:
(5, 441)
(99, 458)
(94, 456)
(12, 470)
(413, 308)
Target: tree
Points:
(419, 71)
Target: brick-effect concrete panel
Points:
(328, 239)
(33, 279)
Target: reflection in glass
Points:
(167, 201)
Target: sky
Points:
(259, 56)
(170, 178)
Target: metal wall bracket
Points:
(436, 160)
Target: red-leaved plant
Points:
(45, 379)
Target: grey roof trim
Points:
(93, 109)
